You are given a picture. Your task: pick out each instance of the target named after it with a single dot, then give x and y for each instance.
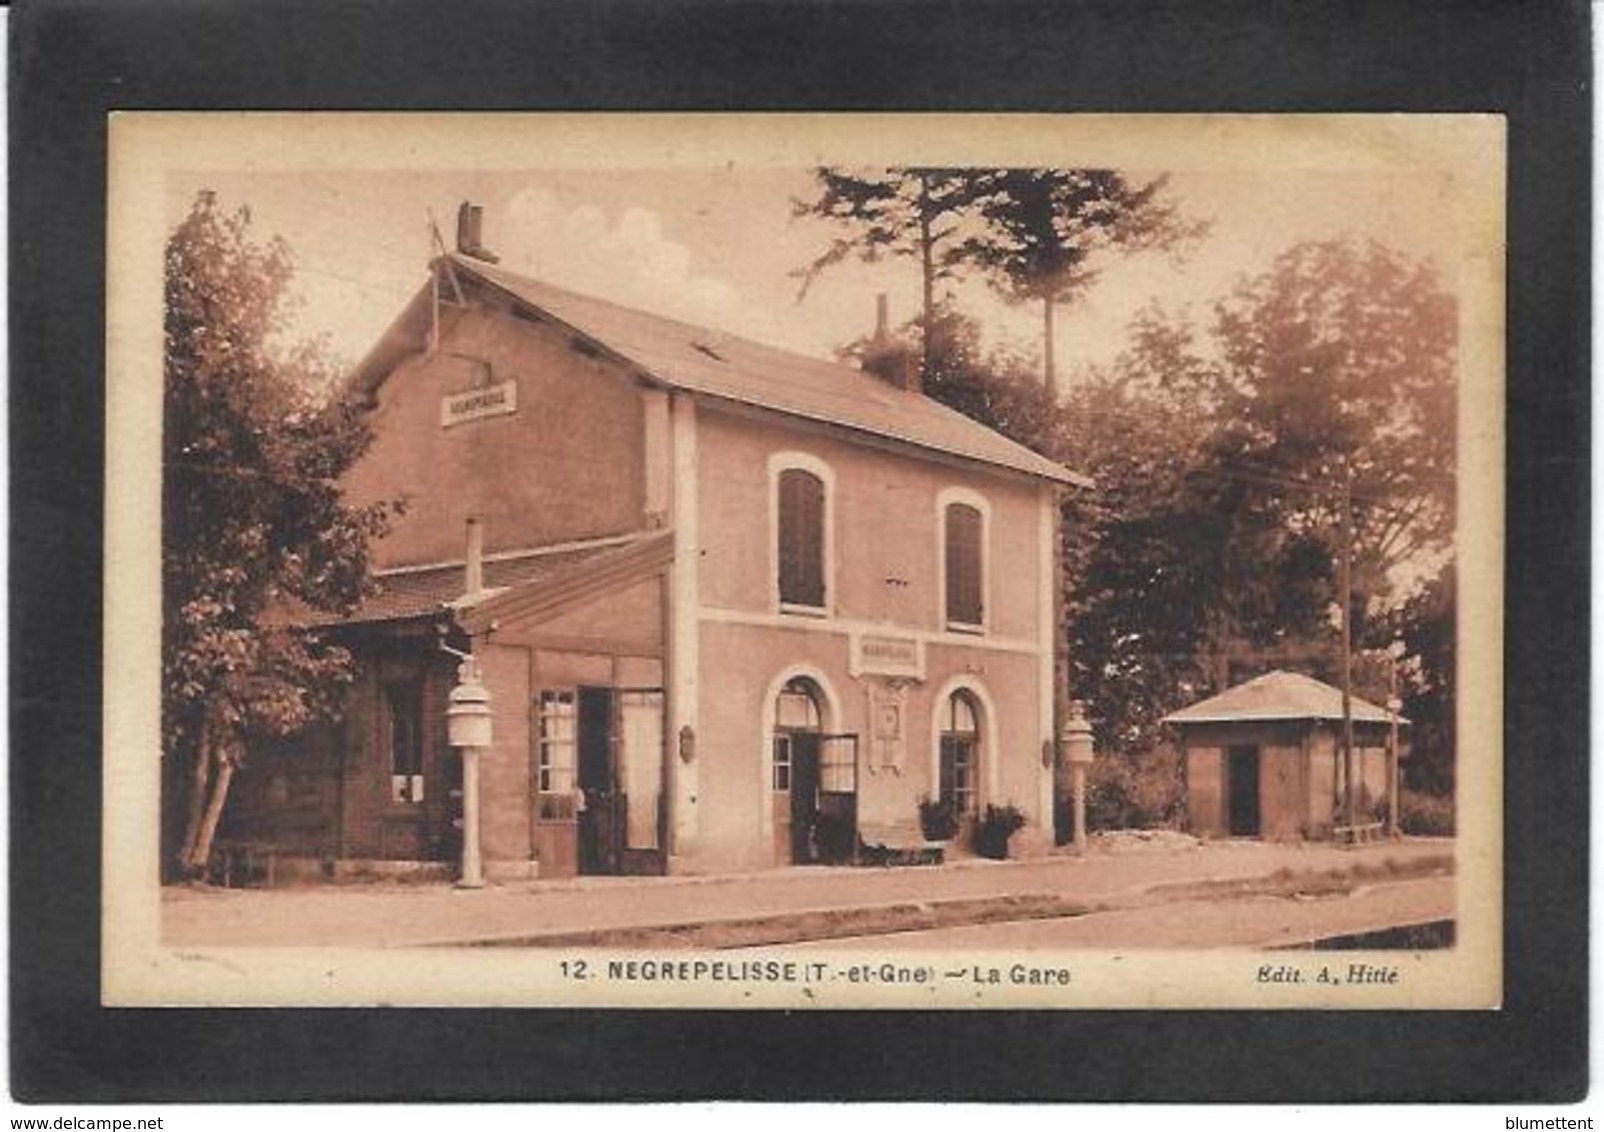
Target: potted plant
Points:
(938, 819)
(995, 828)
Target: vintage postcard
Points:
(805, 561)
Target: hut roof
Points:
(1279, 695)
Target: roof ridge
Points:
(490, 270)
(781, 397)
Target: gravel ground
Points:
(379, 915)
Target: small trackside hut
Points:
(734, 607)
(1264, 759)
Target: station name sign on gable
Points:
(487, 401)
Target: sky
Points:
(720, 246)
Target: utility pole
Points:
(1393, 707)
(1345, 584)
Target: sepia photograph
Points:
(817, 560)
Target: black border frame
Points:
(72, 61)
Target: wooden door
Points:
(600, 840)
(641, 783)
(1242, 786)
(804, 796)
(835, 828)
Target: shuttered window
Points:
(801, 535)
(965, 585)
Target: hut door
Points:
(600, 840)
(1242, 784)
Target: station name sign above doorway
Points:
(876, 654)
(487, 401)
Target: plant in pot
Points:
(995, 828)
(938, 819)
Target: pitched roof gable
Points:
(1279, 695)
(714, 364)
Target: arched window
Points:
(796, 718)
(966, 586)
(801, 536)
(960, 753)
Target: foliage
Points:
(1046, 231)
(910, 211)
(1210, 547)
(251, 509)
(1208, 551)
(996, 826)
(1425, 815)
(1141, 792)
(1342, 356)
(994, 388)
(1426, 625)
(938, 819)
(1038, 234)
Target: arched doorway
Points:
(813, 778)
(961, 752)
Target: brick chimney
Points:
(470, 233)
(473, 581)
(888, 359)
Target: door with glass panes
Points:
(815, 780)
(600, 784)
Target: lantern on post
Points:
(468, 728)
(1077, 740)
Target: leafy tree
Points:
(1221, 458)
(252, 451)
(1339, 361)
(1425, 623)
(1046, 230)
(911, 212)
(993, 388)
(1207, 552)
(1146, 552)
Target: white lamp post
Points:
(468, 729)
(1077, 737)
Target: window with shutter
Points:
(965, 585)
(801, 538)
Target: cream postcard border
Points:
(137, 970)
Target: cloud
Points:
(628, 259)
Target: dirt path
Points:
(395, 915)
(1256, 921)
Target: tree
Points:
(1426, 623)
(1150, 552)
(1220, 459)
(993, 388)
(1341, 358)
(252, 448)
(911, 212)
(1046, 230)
